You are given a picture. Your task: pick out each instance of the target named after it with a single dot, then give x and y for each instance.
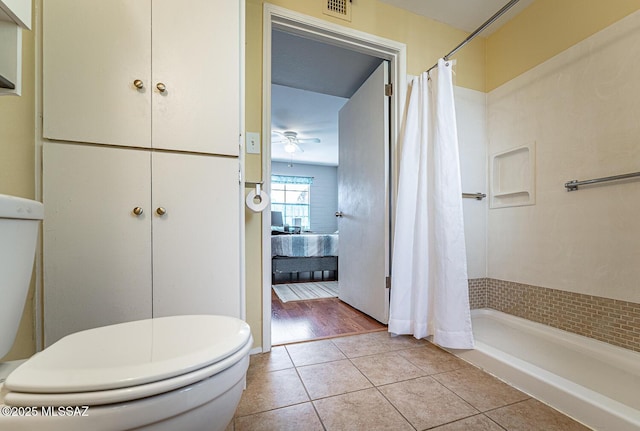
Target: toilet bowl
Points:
(169, 373)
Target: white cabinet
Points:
(105, 264)
(183, 55)
(15, 15)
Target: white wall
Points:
(582, 108)
(472, 138)
(324, 192)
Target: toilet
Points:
(178, 372)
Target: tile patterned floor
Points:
(378, 382)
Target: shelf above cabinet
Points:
(10, 58)
(5, 83)
(17, 12)
(15, 15)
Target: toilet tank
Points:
(19, 221)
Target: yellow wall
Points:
(426, 41)
(544, 29)
(17, 168)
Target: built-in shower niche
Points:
(512, 175)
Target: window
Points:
(290, 195)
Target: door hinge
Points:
(388, 89)
(388, 281)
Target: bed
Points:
(294, 254)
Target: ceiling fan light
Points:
(290, 148)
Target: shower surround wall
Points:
(471, 117)
(572, 258)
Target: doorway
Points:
(281, 24)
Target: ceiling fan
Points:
(291, 141)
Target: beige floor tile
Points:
(474, 423)
(396, 342)
(532, 415)
(332, 378)
(480, 389)
(365, 410)
(230, 427)
(426, 403)
(362, 345)
(277, 359)
(272, 390)
(314, 352)
(433, 360)
(387, 368)
(293, 418)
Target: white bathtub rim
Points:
(618, 356)
(583, 404)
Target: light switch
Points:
(253, 143)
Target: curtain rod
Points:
(479, 30)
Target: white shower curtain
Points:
(429, 288)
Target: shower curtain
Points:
(429, 287)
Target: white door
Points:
(363, 197)
(97, 250)
(196, 235)
(196, 56)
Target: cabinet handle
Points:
(161, 211)
(339, 214)
(138, 211)
(161, 87)
(138, 84)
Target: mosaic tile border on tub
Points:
(610, 320)
(478, 293)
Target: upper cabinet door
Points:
(95, 52)
(196, 59)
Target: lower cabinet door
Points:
(196, 235)
(97, 250)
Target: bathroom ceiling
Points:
(465, 15)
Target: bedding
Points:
(305, 245)
(293, 254)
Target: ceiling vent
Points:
(338, 9)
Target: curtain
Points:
(429, 287)
(289, 179)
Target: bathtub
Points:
(596, 383)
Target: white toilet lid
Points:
(130, 354)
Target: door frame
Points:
(276, 17)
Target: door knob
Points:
(161, 87)
(138, 211)
(339, 214)
(161, 211)
(138, 84)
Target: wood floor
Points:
(296, 321)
